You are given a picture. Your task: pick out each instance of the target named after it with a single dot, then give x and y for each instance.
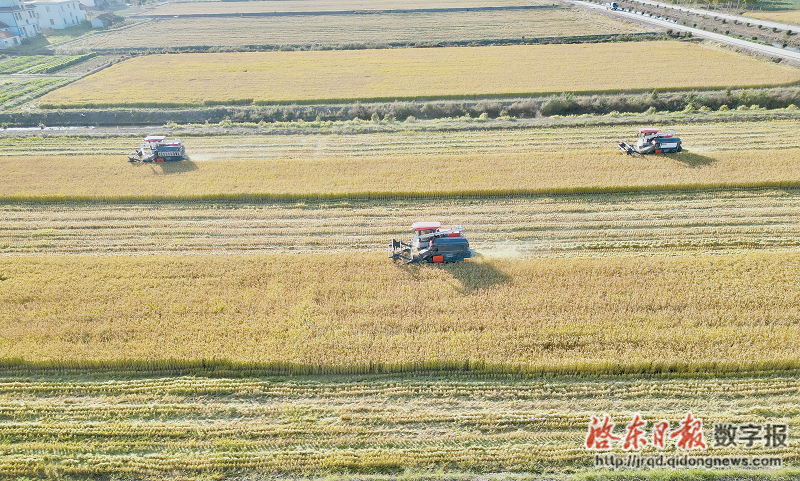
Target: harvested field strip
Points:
(288, 6)
(607, 225)
(337, 313)
(36, 178)
(411, 73)
(313, 13)
(520, 137)
(356, 30)
(180, 426)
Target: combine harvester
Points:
(431, 245)
(156, 149)
(653, 141)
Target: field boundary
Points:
(217, 121)
(518, 106)
(391, 196)
(10, 367)
(572, 39)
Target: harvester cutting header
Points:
(431, 244)
(156, 149)
(652, 141)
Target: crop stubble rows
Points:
(284, 6)
(511, 227)
(340, 30)
(423, 138)
(182, 426)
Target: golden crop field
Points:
(135, 426)
(785, 16)
(341, 30)
(342, 313)
(402, 163)
(98, 177)
(412, 73)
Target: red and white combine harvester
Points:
(156, 149)
(431, 244)
(652, 141)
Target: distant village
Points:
(21, 19)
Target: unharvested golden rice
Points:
(413, 73)
(322, 310)
(786, 16)
(38, 177)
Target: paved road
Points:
(697, 11)
(696, 32)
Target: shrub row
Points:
(670, 102)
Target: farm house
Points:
(103, 21)
(58, 14)
(20, 18)
(8, 38)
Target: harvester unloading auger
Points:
(431, 245)
(652, 141)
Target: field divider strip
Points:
(425, 98)
(393, 196)
(10, 367)
(574, 39)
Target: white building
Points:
(103, 20)
(20, 18)
(58, 14)
(7, 37)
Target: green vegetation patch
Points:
(33, 64)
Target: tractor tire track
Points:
(539, 226)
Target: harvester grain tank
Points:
(652, 141)
(157, 149)
(431, 244)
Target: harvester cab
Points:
(156, 149)
(652, 141)
(431, 244)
